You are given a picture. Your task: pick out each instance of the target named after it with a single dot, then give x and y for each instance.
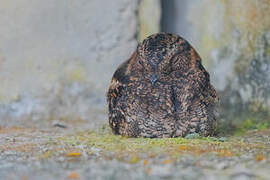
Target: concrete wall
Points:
(233, 38)
(149, 15)
(57, 57)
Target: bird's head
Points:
(161, 52)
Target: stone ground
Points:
(68, 153)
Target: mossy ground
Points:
(133, 150)
(64, 153)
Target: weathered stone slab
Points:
(57, 57)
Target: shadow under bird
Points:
(162, 90)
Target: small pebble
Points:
(193, 136)
(223, 139)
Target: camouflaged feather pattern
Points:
(162, 91)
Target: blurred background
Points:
(57, 57)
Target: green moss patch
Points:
(132, 150)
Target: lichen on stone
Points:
(235, 47)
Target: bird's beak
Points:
(153, 79)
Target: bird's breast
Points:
(153, 99)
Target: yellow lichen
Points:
(73, 154)
(73, 175)
(259, 157)
(221, 20)
(76, 73)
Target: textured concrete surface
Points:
(57, 57)
(56, 154)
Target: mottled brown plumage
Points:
(162, 91)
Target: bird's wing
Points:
(116, 90)
(194, 99)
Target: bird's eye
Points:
(140, 65)
(166, 69)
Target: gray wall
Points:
(175, 19)
(233, 39)
(57, 57)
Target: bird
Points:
(162, 91)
